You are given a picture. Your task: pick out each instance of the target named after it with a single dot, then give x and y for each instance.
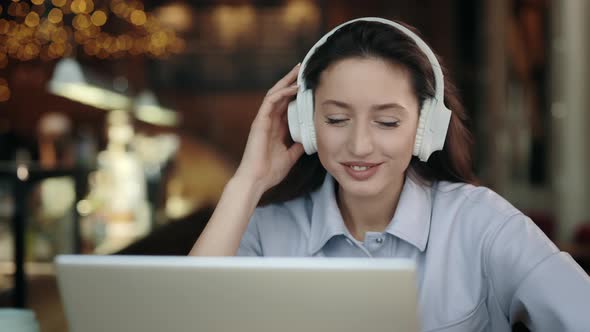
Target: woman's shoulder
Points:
(466, 211)
(467, 199)
(293, 210)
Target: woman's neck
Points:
(368, 214)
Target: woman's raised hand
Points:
(268, 158)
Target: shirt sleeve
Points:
(250, 243)
(534, 282)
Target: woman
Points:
(370, 101)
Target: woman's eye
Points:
(389, 124)
(335, 121)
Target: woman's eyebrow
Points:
(336, 103)
(376, 107)
(386, 106)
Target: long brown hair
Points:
(372, 39)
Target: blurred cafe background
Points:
(121, 120)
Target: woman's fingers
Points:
(286, 80)
(280, 130)
(272, 101)
(294, 152)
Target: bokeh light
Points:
(138, 17)
(4, 92)
(58, 3)
(32, 19)
(81, 21)
(59, 35)
(99, 18)
(55, 15)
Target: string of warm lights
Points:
(52, 29)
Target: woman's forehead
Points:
(366, 81)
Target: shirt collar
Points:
(411, 221)
(326, 220)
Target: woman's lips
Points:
(360, 170)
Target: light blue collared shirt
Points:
(481, 264)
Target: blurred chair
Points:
(545, 221)
(175, 238)
(582, 234)
(581, 240)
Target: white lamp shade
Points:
(148, 109)
(69, 81)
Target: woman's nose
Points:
(360, 142)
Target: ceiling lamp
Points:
(69, 81)
(147, 109)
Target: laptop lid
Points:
(270, 294)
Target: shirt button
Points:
(379, 240)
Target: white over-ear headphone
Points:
(434, 115)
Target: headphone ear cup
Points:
(421, 131)
(305, 113)
(433, 125)
(293, 121)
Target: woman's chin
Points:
(363, 189)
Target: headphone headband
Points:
(438, 75)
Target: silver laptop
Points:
(230, 294)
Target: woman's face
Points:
(366, 116)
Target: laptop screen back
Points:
(149, 293)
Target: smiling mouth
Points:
(361, 171)
(360, 167)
